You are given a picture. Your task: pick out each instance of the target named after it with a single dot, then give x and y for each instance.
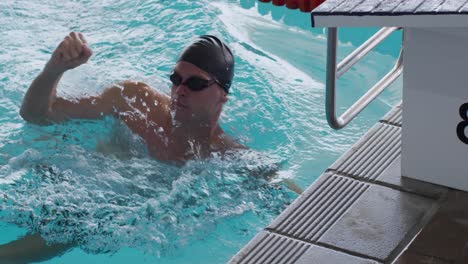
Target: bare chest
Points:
(164, 146)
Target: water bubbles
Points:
(130, 100)
(105, 205)
(174, 122)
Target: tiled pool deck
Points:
(361, 210)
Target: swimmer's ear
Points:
(224, 97)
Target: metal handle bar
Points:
(334, 72)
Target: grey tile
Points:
(430, 6)
(372, 154)
(321, 255)
(391, 7)
(329, 5)
(464, 8)
(451, 5)
(378, 222)
(387, 6)
(408, 6)
(357, 145)
(392, 177)
(366, 6)
(313, 213)
(348, 6)
(271, 248)
(393, 117)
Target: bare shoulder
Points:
(136, 94)
(227, 142)
(134, 88)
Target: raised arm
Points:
(38, 103)
(30, 248)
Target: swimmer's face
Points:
(198, 106)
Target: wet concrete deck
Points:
(361, 210)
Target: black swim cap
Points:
(212, 55)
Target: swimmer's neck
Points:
(202, 134)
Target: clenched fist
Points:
(70, 53)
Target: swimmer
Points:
(176, 128)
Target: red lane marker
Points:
(279, 2)
(292, 4)
(303, 5)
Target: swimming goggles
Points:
(193, 83)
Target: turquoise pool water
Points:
(120, 205)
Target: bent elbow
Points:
(31, 118)
(25, 115)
